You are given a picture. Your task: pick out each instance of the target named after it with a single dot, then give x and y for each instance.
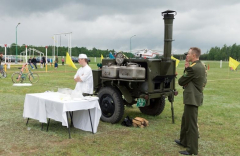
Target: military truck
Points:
(147, 82)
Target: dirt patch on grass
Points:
(62, 143)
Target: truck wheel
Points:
(155, 108)
(111, 103)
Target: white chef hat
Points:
(82, 56)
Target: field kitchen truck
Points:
(147, 82)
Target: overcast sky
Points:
(109, 24)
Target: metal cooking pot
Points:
(111, 71)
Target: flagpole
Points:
(229, 68)
(65, 68)
(66, 62)
(228, 71)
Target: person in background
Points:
(43, 60)
(56, 65)
(111, 56)
(56, 59)
(1, 59)
(63, 61)
(34, 62)
(84, 77)
(193, 82)
(50, 61)
(30, 62)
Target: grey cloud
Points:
(109, 24)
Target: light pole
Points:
(130, 43)
(16, 43)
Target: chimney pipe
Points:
(168, 17)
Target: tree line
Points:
(220, 53)
(215, 53)
(60, 51)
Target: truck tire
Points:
(155, 108)
(111, 103)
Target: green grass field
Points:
(218, 121)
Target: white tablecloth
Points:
(41, 106)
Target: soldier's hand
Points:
(186, 64)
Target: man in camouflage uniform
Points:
(193, 82)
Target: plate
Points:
(22, 84)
